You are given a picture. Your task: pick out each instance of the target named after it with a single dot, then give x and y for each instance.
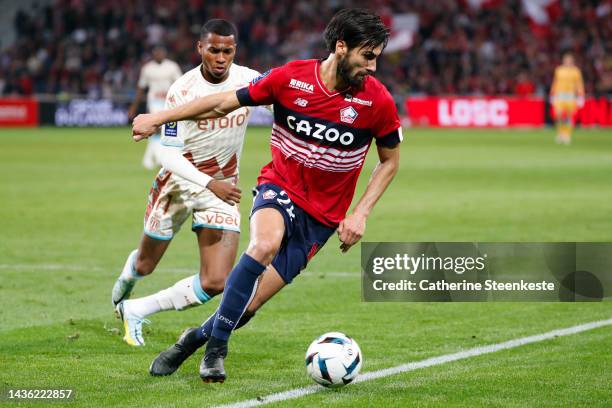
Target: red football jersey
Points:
(320, 138)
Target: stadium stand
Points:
(470, 47)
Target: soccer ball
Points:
(333, 360)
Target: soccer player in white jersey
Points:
(206, 154)
(156, 75)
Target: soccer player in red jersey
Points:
(326, 113)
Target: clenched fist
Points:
(350, 230)
(225, 191)
(145, 125)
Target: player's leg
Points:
(564, 123)
(289, 252)
(267, 229)
(217, 254)
(303, 238)
(217, 227)
(140, 263)
(571, 112)
(169, 360)
(167, 209)
(150, 159)
(158, 232)
(269, 284)
(558, 114)
(218, 236)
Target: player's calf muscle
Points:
(144, 266)
(217, 255)
(213, 284)
(150, 252)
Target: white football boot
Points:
(132, 325)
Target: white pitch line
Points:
(306, 274)
(77, 267)
(430, 362)
(50, 267)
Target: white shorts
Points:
(172, 200)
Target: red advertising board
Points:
(595, 112)
(489, 112)
(18, 112)
(497, 112)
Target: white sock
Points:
(129, 271)
(180, 296)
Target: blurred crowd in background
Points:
(96, 48)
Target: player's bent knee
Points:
(263, 250)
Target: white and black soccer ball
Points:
(333, 360)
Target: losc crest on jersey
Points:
(348, 114)
(269, 194)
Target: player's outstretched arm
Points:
(352, 228)
(211, 106)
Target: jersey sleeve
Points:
(172, 132)
(251, 75)
(387, 129)
(262, 90)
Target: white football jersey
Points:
(214, 145)
(158, 77)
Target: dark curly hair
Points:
(356, 27)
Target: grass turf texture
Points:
(72, 205)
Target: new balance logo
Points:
(302, 86)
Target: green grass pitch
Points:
(72, 202)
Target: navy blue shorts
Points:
(304, 235)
